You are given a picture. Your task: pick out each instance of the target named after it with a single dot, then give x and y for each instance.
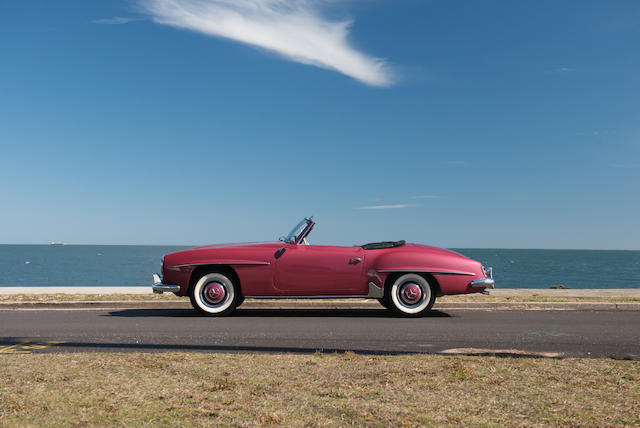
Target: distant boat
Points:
(57, 243)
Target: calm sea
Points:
(113, 265)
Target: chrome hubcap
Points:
(410, 293)
(214, 293)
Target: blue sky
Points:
(457, 123)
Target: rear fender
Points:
(449, 272)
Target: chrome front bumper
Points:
(487, 282)
(159, 288)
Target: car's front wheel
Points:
(411, 295)
(215, 294)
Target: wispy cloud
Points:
(559, 70)
(116, 20)
(386, 207)
(425, 197)
(295, 29)
(595, 133)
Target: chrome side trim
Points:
(223, 263)
(486, 283)
(437, 272)
(358, 296)
(375, 292)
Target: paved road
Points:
(567, 333)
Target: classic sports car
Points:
(405, 278)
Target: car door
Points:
(307, 270)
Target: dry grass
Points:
(534, 299)
(189, 389)
(61, 297)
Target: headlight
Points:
(488, 272)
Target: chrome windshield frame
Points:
(300, 231)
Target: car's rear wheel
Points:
(215, 294)
(411, 295)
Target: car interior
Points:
(306, 226)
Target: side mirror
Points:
(281, 239)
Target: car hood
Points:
(239, 245)
(244, 251)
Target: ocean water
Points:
(80, 265)
(114, 265)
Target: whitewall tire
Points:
(214, 294)
(411, 295)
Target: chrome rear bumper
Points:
(159, 288)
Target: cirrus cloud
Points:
(116, 20)
(294, 29)
(426, 197)
(386, 207)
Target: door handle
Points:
(355, 260)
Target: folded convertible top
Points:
(381, 245)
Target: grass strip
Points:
(191, 389)
(63, 297)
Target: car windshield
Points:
(297, 230)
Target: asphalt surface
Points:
(558, 333)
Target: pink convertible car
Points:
(405, 278)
